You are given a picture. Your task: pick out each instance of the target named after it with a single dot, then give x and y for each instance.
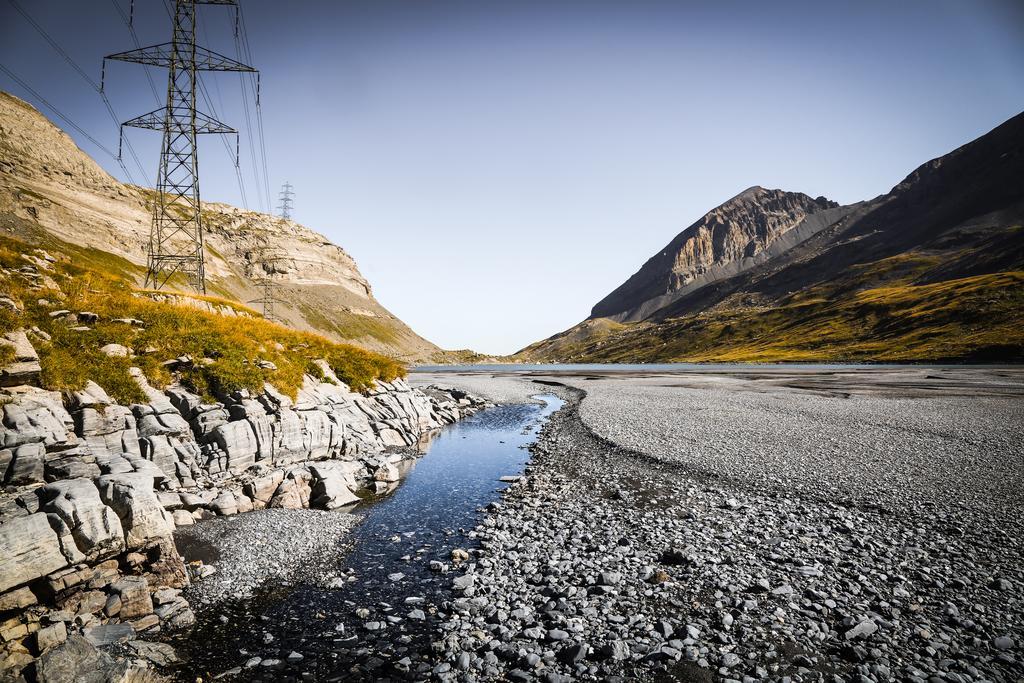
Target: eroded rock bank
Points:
(93, 491)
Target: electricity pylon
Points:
(286, 200)
(176, 233)
(268, 290)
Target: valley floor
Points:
(762, 524)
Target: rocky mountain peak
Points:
(729, 237)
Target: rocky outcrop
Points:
(730, 238)
(25, 369)
(29, 548)
(76, 659)
(94, 490)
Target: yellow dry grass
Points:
(978, 318)
(229, 352)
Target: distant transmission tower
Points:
(286, 200)
(268, 291)
(176, 233)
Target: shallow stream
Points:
(362, 630)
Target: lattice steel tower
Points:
(286, 200)
(176, 233)
(268, 289)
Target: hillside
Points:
(50, 189)
(931, 271)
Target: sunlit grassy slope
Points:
(979, 318)
(230, 352)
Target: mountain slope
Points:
(932, 270)
(744, 231)
(50, 189)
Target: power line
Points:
(98, 87)
(243, 54)
(263, 199)
(238, 171)
(242, 44)
(248, 121)
(55, 46)
(67, 120)
(176, 235)
(208, 100)
(263, 149)
(135, 39)
(216, 85)
(121, 140)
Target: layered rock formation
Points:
(94, 490)
(49, 187)
(733, 237)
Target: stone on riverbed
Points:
(107, 634)
(305, 545)
(334, 484)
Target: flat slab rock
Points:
(108, 634)
(29, 548)
(79, 661)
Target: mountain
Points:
(931, 271)
(53, 194)
(746, 230)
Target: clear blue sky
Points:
(498, 167)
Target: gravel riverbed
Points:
(264, 547)
(785, 527)
(642, 563)
(883, 437)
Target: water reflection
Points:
(442, 493)
(425, 440)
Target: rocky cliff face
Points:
(93, 491)
(727, 240)
(49, 186)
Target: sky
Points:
(497, 167)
